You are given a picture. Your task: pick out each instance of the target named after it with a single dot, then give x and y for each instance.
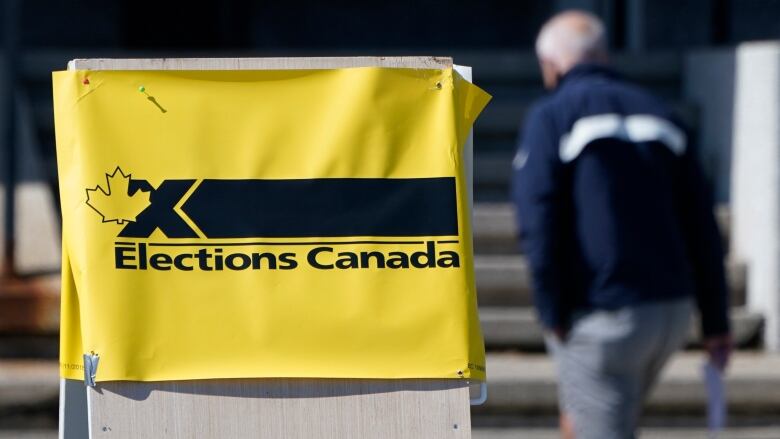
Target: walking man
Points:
(618, 229)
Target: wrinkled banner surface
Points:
(309, 223)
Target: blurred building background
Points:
(693, 53)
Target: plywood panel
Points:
(281, 408)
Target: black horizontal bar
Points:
(326, 207)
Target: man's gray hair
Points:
(572, 37)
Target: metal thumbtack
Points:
(90, 368)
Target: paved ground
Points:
(653, 433)
(526, 433)
(35, 434)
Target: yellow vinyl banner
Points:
(289, 223)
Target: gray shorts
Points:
(610, 360)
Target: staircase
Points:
(504, 289)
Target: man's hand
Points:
(719, 350)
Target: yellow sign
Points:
(225, 224)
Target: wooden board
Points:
(281, 408)
(411, 62)
(278, 408)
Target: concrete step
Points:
(28, 385)
(495, 227)
(517, 327)
(29, 305)
(526, 384)
(492, 168)
(505, 280)
(504, 115)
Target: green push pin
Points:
(151, 99)
(142, 89)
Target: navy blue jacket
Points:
(612, 206)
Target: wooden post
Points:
(277, 408)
